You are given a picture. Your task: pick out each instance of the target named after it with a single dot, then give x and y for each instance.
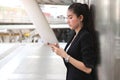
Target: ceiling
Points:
(55, 2)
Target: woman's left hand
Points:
(59, 51)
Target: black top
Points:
(81, 49)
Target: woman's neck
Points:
(78, 29)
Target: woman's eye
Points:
(70, 17)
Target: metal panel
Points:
(115, 21)
(107, 23)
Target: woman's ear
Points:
(81, 17)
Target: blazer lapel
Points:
(75, 40)
(69, 41)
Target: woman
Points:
(78, 55)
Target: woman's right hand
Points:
(55, 44)
(59, 51)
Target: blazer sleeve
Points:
(88, 55)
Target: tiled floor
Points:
(33, 62)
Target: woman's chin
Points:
(71, 28)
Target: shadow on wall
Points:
(95, 34)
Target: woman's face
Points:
(73, 21)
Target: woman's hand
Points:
(59, 51)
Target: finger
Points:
(48, 43)
(53, 49)
(51, 45)
(56, 44)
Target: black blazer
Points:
(81, 49)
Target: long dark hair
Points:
(82, 9)
(89, 25)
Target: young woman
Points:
(79, 56)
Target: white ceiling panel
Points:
(55, 2)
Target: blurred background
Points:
(18, 36)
